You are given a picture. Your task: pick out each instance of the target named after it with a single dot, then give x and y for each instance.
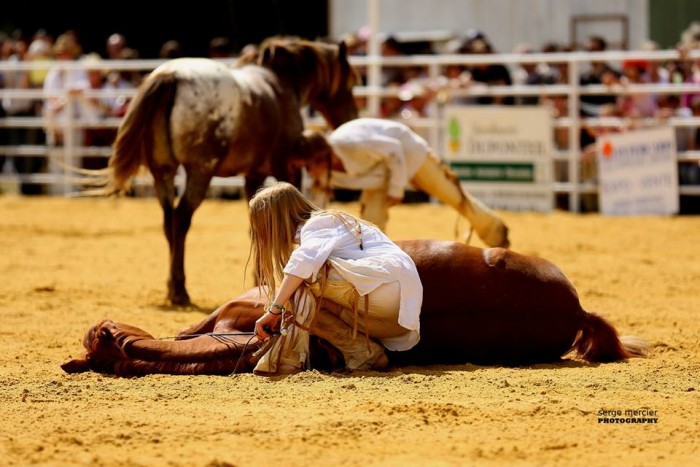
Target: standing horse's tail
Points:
(148, 113)
(598, 342)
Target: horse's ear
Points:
(265, 57)
(78, 365)
(342, 50)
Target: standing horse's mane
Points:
(301, 60)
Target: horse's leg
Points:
(439, 182)
(253, 182)
(164, 184)
(195, 191)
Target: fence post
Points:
(574, 136)
(69, 141)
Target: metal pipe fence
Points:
(61, 181)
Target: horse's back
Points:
(490, 306)
(229, 120)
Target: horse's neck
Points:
(201, 355)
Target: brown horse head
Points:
(105, 343)
(318, 72)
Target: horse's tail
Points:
(149, 110)
(598, 342)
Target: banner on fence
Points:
(502, 155)
(638, 172)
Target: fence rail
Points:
(57, 176)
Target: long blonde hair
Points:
(275, 213)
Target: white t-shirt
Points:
(363, 143)
(325, 238)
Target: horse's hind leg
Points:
(164, 185)
(195, 192)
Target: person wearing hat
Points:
(381, 158)
(72, 82)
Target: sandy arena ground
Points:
(68, 262)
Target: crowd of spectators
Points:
(43, 47)
(413, 90)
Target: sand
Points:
(68, 262)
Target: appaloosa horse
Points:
(485, 306)
(219, 121)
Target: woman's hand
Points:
(267, 320)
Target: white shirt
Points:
(63, 80)
(364, 143)
(380, 261)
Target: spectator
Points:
(656, 71)
(114, 46)
(16, 46)
(416, 98)
(73, 82)
(391, 47)
(671, 107)
(531, 74)
(599, 73)
(132, 77)
(94, 110)
(488, 74)
(4, 54)
(689, 171)
(220, 47)
(171, 49)
(390, 106)
(636, 105)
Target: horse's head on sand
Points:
(319, 73)
(105, 343)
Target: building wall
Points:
(507, 23)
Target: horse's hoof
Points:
(180, 299)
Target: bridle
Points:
(224, 338)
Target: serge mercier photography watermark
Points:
(628, 416)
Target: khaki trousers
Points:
(351, 333)
(438, 181)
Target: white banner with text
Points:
(638, 172)
(502, 155)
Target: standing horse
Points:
(219, 121)
(484, 306)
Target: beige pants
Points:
(336, 322)
(438, 181)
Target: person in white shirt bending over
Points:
(381, 158)
(336, 274)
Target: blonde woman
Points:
(337, 274)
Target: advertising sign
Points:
(502, 155)
(638, 172)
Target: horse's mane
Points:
(301, 62)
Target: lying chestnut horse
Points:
(484, 306)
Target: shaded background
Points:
(193, 24)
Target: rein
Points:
(212, 334)
(221, 337)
